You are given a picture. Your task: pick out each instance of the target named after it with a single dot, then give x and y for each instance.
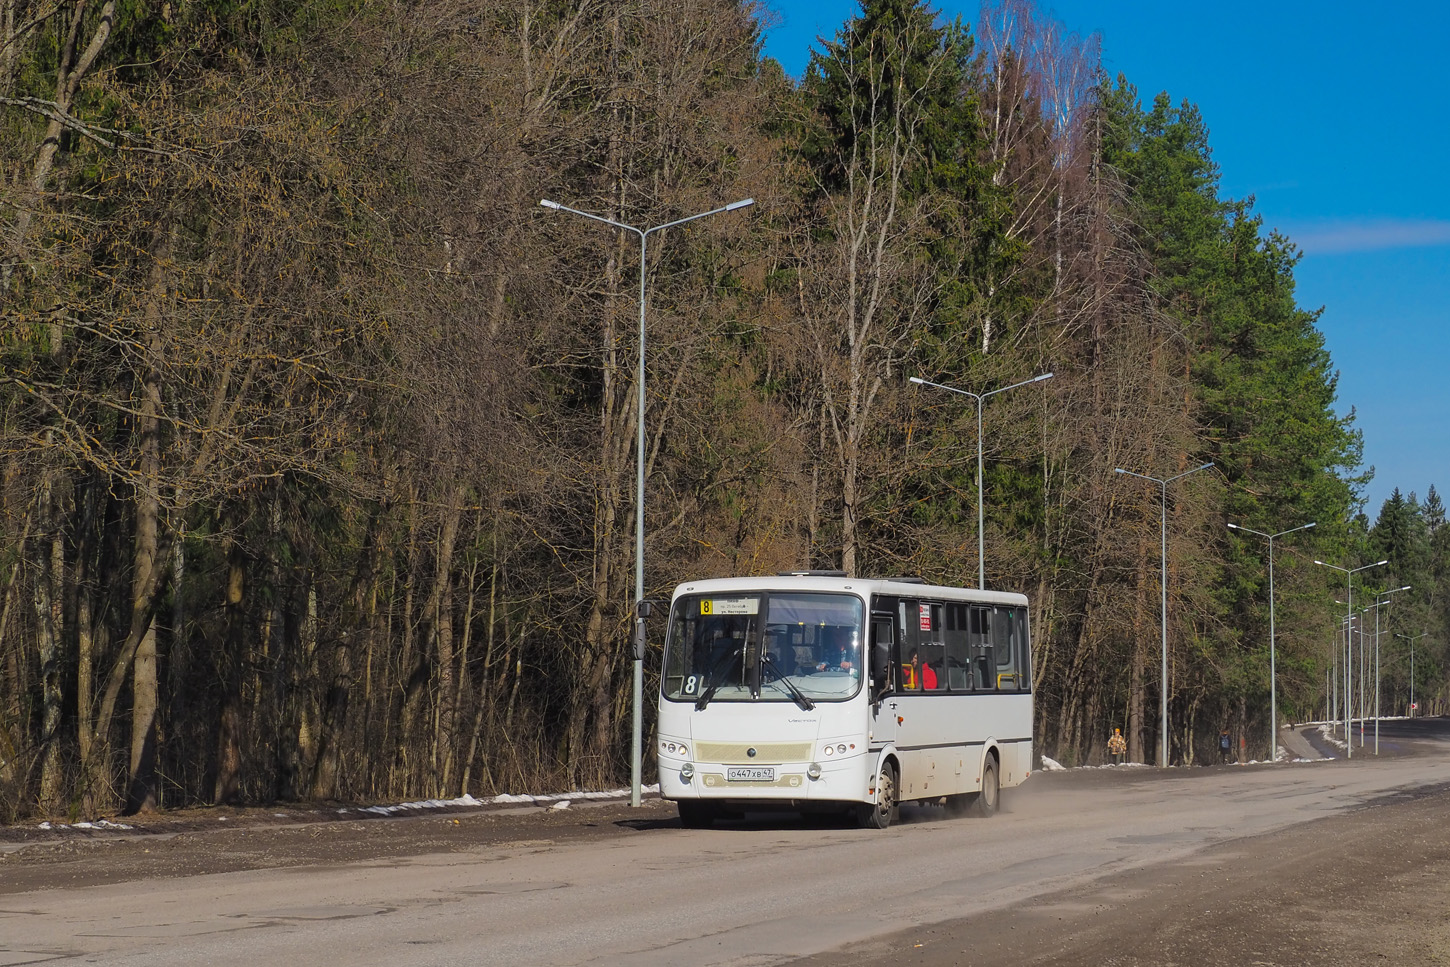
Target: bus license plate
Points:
(750, 774)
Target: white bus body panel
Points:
(943, 742)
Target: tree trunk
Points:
(88, 548)
(228, 786)
(141, 784)
(441, 612)
(49, 620)
(332, 731)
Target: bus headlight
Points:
(687, 771)
(679, 749)
(814, 770)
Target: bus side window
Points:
(1003, 643)
(931, 647)
(1024, 648)
(883, 654)
(909, 637)
(958, 654)
(984, 671)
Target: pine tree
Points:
(1433, 510)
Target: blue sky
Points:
(1334, 117)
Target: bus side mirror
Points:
(643, 608)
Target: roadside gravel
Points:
(1368, 887)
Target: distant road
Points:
(637, 889)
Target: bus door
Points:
(883, 686)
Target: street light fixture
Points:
(1412, 641)
(1377, 665)
(1349, 573)
(1273, 693)
(636, 739)
(979, 397)
(1163, 601)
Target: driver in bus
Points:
(837, 653)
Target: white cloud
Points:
(1369, 235)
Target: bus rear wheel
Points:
(991, 795)
(878, 815)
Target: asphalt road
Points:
(610, 885)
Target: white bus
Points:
(817, 692)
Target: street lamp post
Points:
(1339, 657)
(1349, 573)
(1412, 641)
(636, 735)
(1163, 601)
(1363, 666)
(1384, 594)
(979, 397)
(1353, 625)
(1273, 693)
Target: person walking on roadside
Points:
(1117, 746)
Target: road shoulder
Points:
(1368, 886)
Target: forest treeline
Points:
(318, 431)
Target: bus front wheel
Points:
(697, 815)
(878, 815)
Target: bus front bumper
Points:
(842, 780)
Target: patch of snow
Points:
(1327, 731)
(1052, 765)
(559, 800)
(98, 824)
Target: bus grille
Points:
(737, 752)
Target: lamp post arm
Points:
(1301, 527)
(1187, 472)
(950, 389)
(1143, 476)
(590, 215)
(690, 218)
(1035, 379)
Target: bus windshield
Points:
(807, 648)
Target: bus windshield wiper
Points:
(795, 693)
(709, 692)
